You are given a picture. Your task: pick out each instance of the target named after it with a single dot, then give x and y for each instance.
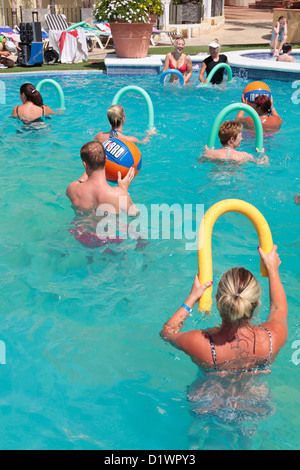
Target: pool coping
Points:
(242, 66)
(238, 59)
(54, 72)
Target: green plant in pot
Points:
(131, 23)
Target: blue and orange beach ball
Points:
(254, 89)
(121, 156)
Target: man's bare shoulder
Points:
(74, 186)
(81, 195)
(75, 191)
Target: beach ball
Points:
(121, 155)
(254, 89)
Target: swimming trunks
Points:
(214, 355)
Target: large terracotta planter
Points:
(131, 40)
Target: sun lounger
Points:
(105, 33)
(158, 32)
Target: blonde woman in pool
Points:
(177, 60)
(237, 344)
(116, 118)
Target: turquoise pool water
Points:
(85, 367)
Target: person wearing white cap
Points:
(211, 61)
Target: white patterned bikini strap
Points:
(271, 343)
(213, 351)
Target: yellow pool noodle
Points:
(205, 269)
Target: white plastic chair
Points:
(105, 33)
(160, 32)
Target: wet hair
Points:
(263, 102)
(31, 94)
(286, 47)
(93, 154)
(115, 115)
(229, 129)
(237, 295)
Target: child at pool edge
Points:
(116, 117)
(93, 190)
(279, 35)
(230, 135)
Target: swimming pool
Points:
(85, 367)
(268, 56)
(257, 64)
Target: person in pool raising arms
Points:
(230, 135)
(177, 60)
(92, 189)
(116, 117)
(237, 345)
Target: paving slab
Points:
(242, 26)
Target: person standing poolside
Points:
(285, 56)
(210, 62)
(237, 345)
(92, 189)
(32, 108)
(279, 36)
(116, 117)
(230, 135)
(263, 105)
(177, 60)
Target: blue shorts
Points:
(280, 37)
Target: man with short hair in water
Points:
(92, 189)
(230, 135)
(286, 51)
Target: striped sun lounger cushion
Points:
(56, 22)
